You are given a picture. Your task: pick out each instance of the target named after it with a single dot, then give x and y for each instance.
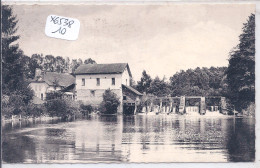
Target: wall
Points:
(83, 93)
(39, 88)
(126, 78)
(105, 81)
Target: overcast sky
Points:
(162, 39)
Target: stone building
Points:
(93, 79)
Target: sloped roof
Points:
(61, 79)
(116, 68)
(132, 90)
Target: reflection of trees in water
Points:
(16, 149)
(241, 143)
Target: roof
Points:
(132, 90)
(116, 68)
(62, 79)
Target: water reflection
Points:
(144, 138)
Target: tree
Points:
(49, 63)
(110, 102)
(241, 68)
(60, 64)
(12, 69)
(159, 87)
(90, 61)
(145, 82)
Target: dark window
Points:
(93, 92)
(98, 81)
(83, 81)
(124, 97)
(42, 96)
(113, 81)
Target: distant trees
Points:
(241, 68)
(110, 102)
(192, 82)
(198, 82)
(159, 87)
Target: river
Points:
(140, 138)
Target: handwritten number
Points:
(63, 22)
(61, 31)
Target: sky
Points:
(161, 39)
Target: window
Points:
(124, 97)
(42, 96)
(98, 81)
(93, 92)
(113, 81)
(83, 81)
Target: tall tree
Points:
(241, 68)
(12, 69)
(14, 82)
(49, 63)
(145, 82)
(60, 64)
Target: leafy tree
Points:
(60, 64)
(145, 82)
(241, 68)
(198, 82)
(49, 63)
(159, 87)
(110, 102)
(89, 61)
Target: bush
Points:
(61, 107)
(35, 110)
(86, 109)
(110, 103)
(54, 95)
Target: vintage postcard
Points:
(128, 83)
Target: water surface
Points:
(141, 138)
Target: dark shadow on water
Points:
(241, 144)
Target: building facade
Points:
(46, 82)
(93, 79)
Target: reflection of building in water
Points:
(99, 139)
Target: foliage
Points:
(12, 69)
(110, 102)
(159, 87)
(198, 82)
(61, 107)
(145, 82)
(86, 109)
(241, 69)
(35, 110)
(89, 61)
(54, 95)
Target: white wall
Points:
(126, 78)
(39, 88)
(105, 81)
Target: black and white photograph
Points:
(128, 83)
